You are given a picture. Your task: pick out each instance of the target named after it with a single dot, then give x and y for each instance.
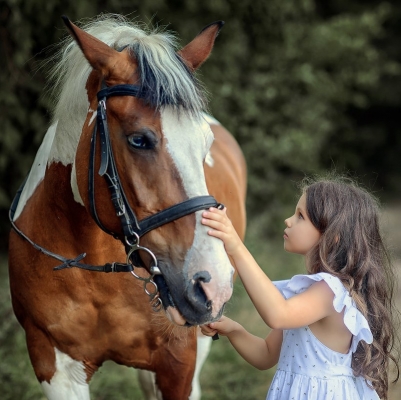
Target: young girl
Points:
(332, 329)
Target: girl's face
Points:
(300, 235)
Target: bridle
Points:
(132, 229)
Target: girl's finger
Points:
(217, 234)
(213, 216)
(218, 210)
(213, 224)
(208, 332)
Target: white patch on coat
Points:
(74, 186)
(92, 117)
(188, 141)
(69, 380)
(209, 159)
(59, 145)
(203, 349)
(210, 120)
(38, 169)
(69, 129)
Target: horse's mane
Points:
(165, 79)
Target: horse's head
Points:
(159, 141)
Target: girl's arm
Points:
(260, 353)
(278, 313)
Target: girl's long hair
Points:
(351, 247)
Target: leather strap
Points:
(119, 90)
(175, 212)
(66, 262)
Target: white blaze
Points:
(188, 142)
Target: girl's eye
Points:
(140, 142)
(300, 216)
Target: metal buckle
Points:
(102, 104)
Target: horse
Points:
(108, 259)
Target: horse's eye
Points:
(140, 141)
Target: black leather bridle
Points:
(131, 227)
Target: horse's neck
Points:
(53, 204)
(53, 220)
(52, 150)
(52, 197)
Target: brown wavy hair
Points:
(351, 247)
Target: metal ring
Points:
(137, 276)
(135, 243)
(137, 248)
(157, 304)
(154, 287)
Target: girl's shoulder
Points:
(353, 318)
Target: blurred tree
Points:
(369, 139)
(301, 84)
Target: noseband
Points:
(132, 229)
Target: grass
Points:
(225, 374)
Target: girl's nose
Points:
(287, 222)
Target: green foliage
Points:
(115, 382)
(17, 379)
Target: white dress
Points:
(309, 370)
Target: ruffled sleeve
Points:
(353, 318)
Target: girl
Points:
(332, 329)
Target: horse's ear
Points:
(197, 51)
(98, 54)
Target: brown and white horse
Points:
(146, 135)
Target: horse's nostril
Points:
(202, 276)
(198, 291)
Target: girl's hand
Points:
(222, 229)
(224, 326)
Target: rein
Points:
(66, 262)
(132, 229)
